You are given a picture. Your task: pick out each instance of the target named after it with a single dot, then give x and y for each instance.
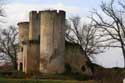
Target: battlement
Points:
(52, 11)
(22, 23)
(34, 13)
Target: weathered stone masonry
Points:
(42, 41)
(42, 44)
(52, 41)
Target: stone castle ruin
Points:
(43, 48)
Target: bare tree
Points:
(9, 43)
(84, 35)
(113, 29)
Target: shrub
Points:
(12, 74)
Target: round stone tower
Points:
(23, 37)
(23, 31)
(52, 42)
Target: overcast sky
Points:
(18, 10)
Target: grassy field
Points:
(42, 81)
(101, 75)
(54, 81)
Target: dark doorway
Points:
(83, 68)
(21, 49)
(20, 66)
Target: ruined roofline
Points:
(25, 22)
(57, 11)
(68, 43)
(49, 11)
(33, 12)
(43, 11)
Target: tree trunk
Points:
(15, 65)
(14, 62)
(89, 63)
(123, 51)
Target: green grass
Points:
(41, 81)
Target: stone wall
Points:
(34, 26)
(20, 60)
(31, 56)
(52, 41)
(75, 57)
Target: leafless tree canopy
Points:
(84, 35)
(113, 29)
(9, 43)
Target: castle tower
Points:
(23, 37)
(52, 43)
(23, 31)
(34, 28)
(32, 46)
